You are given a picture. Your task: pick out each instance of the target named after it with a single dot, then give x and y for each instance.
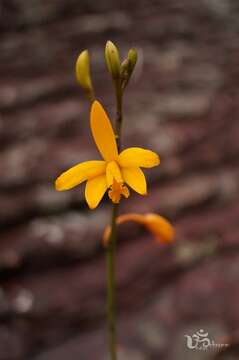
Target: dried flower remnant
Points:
(162, 230)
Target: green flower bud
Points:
(127, 67)
(83, 71)
(112, 59)
(132, 57)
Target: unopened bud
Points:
(112, 59)
(124, 70)
(132, 57)
(127, 67)
(83, 71)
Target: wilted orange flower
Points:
(156, 224)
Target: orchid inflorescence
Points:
(118, 171)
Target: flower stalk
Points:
(111, 288)
(110, 249)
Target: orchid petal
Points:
(102, 132)
(95, 190)
(113, 172)
(79, 173)
(135, 178)
(138, 157)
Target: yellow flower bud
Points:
(83, 71)
(112, 59)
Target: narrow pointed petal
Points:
(138, 157)
(79, 173)
(102, 132)
(113, 172)
(95, 190)
(135, 178)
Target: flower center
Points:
(115, 182)
(117, 190)
(113, 172)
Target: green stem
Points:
(111, 303)
(90, 95)
(119, 116)
(110, 251)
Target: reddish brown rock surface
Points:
(184, 103)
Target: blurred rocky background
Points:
(183, 102)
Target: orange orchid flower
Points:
(115, 171)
